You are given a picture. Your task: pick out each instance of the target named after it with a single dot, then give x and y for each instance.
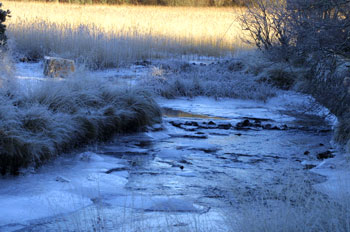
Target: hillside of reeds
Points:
(110, 36)
(193, 3)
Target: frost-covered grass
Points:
(293, 205)
(102, 219)
(56, 116)
(227, 79)
(109, 36)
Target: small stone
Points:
(211, 123)
(182, 167)
(225, 126)
(284, 127)
(246, 123)
(325, 155)
(306, 153)
(267, 126)
(61, 179)
(191, 123)
(309, 166)
(176, 124)
(195, 124)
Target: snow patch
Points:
(337, 171)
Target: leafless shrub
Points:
(320, 25)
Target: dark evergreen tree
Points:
(3, 15)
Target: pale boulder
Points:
(58, 67)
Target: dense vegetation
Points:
(121, 35)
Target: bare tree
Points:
(3, 15)
(305, 25)
(265, 20)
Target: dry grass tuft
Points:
(60, 115)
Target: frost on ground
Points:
(219, 164)
(228, 78)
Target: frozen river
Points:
(206, 158)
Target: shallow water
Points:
(168, 112)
